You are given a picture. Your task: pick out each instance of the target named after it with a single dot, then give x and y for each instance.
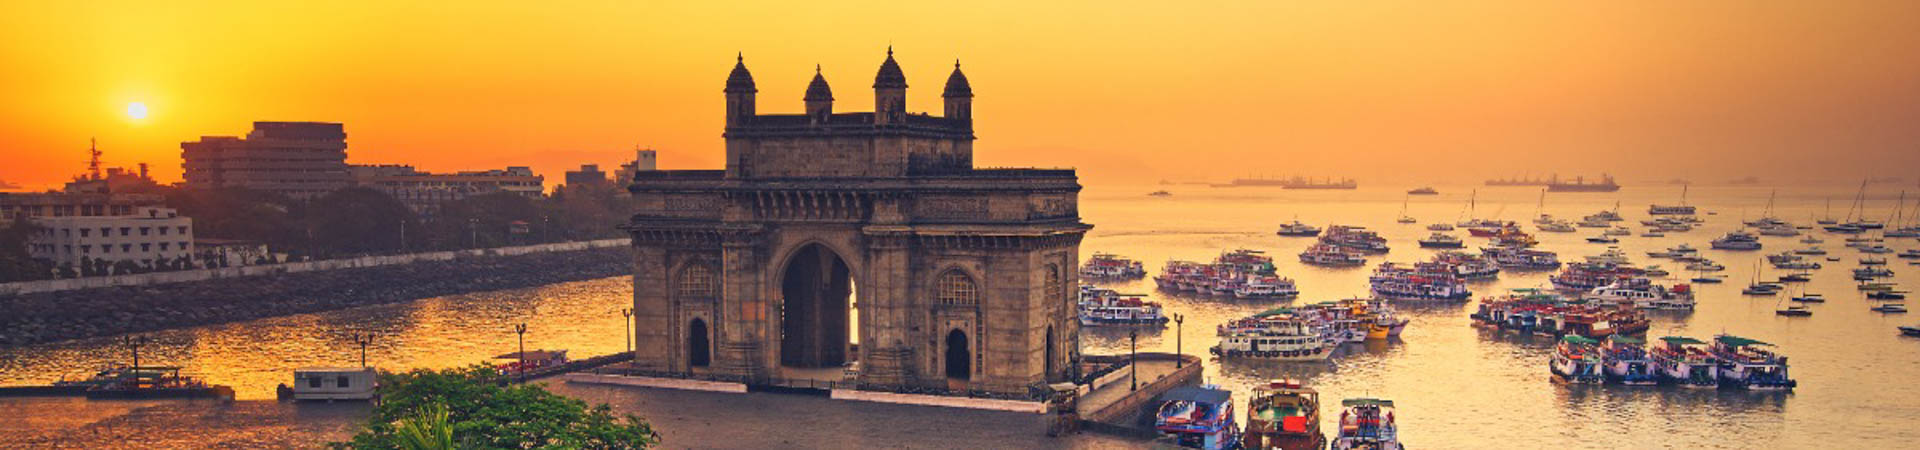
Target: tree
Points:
(475, 408)
(483, 220)
(16, 263)
(356, 221)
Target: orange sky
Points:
(1124, 91)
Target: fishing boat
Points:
(1279, 334)
(1109, 266)
(1355, 238)
(1367, 423)
(1680, 209)
(1627, 362)
(1576, 360)
(1744, 364)
(1106, 307)
(1331, 255)
(1284, 415)
(1297, 229)
(1420, 282)
(1737, 240)
(1889, 308)
(1198, 417)
(1442, 240)
(1522, 258)
(1684, 361)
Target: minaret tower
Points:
(740, 93)
(889, 93)
(959, 95)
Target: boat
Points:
(1618, 231)
(1425, 282)
(1643, 294)
(1442, 240)
(151, 382)
(1160, 194)
(1678, 251)
(1198, 417)
(1284, 415)
(1557, 227)
(1872, 261)
(1297, 229)
(1875, 249)
(1440, 226)
(1910, 330)
(520, 362)
(1580, 184)
(1794, 311)
(1522, 258)
(1871, 272)
(1367, 423)
(1283, 334)
(1110, 266)
(1468, 266)
(1331, 255)
(1889, 308)
(1810, 239)
(1811, 251)
(1404, 218)
(1875, 286)
(334, 383)
(1520, 181)
(1603, 239)
(1355, 238)
(1426, 190)
(1670, 210)
(1683, 361)
(1613, 255)
(1886, 295)
(1796, 278)
(1583, 277)
(1737, 240)
(1708, 279)
(1627, 362)
(1744, 364)
(1576, 360)
(1106, 307)
(1910, 253)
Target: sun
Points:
(137, 110)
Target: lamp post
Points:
(521, 329)
(363, 339)
(1133, 359)
(627, 323)
(1179, 357)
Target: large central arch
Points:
(816, 289)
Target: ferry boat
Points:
(1576, 360)
(1439, 226)
(1468, 266)
(1105, 307)
(1580, 184)
(1583, 277)
(1442, 240)
(1330, 255)
(1557, 227)
(1613, 255)
(1297, 229)
(1745, 365)
(1367, 423)
(1198, 417)
(1682, 250)
(1643, 294)
(148, 382)
(1422, 282)
(1355, 238)
(1684, 361)
(1737, 240)
(1284, 415)
(1425, 190)
(1626, 361)
(1109, 266)
(1522, 258)
(1279, 334)
(1682, 209)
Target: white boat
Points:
(1298, 229)
(1102, 307)
(1737, 240)
(334, 383)
(1330, 255)
(1278, 334)
(1744, 365)
(1556, 227)
(1814, 250)
(1440, 226)
(1577, 361)
(1683, 362)
(1643, 294)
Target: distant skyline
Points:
(1128, 92)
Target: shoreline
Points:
(76, 314)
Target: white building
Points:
(149, 233)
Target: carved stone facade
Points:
(955, 276)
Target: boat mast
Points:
(1897, 205)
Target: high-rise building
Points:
(297, 159)
(588, 174)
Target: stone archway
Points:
(959, 359)
(699, 353)
(816, 289)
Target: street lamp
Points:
(627, 324)
(521, 329)
(363, 339)
(1133, 359)
(1180, 358)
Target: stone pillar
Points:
(743, 310)
(653, 341)
(886, 341)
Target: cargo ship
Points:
(1580, 184)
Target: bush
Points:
(475, 408)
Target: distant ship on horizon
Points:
(1296, 182)
(1580, 184)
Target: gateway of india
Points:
(857, 246)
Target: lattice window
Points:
(698, 281)
(957, 288)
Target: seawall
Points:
(56, 310)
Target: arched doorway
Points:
(959, 359)
(815, 288)
(1053, 367)
(698, 354)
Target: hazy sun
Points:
(137, 110)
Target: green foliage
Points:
(15, 264)
(475, 408)
(356, 221)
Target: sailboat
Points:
(1898, 219)
(1700, 276)
(1829, 215)
(1404, 218)
(1759, 288)
(1860, 203)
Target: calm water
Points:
(1460, 387)
(1457, 386)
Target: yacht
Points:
(1440, 226)
(1556, 227)
(1814, 250)
(1737, 240)
(1603, 239)
(1298, 229)
(1442, 240)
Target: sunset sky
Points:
(1387, 91)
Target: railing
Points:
(808, 383)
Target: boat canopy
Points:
(1578, 339)
(1275, 312)
(1366, 402)
(1681, 340)
(1198, 395)
(1736, 341)
(1624, 339)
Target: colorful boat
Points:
(1522, 258)
(1367, 423)
(1627, 362)
(1106, 307)
(1281, 334)
(1283, 415)
(1576, 360)
(1109, 266)
(1355, 238)
(1421, 282)
(1745, 365)
(1198, 417)
(1684, 362)
(1330, 255)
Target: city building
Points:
(210, 252)
(297, 159)
(424, 192)
(96, 193)
(146, 235)
(643, 160)
(965, 276)
(588, 174)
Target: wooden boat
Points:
(1284, 415)
(1367, 423)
